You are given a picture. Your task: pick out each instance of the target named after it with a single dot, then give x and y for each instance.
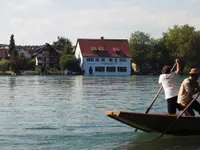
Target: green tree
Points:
(63, 45)
(12, 45)
(18, 64)
(30, 64)
(69, 62)
(183, 42)
(4, 65)
(139, 43)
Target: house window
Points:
(111, 69)
(100, 69)
(97, 59)
(122, 60)
(94, 49)
(102, 59)
(22, 54)
(115, 59)
(101, 48)
(116, 49)
(90, 59)
(121, 69)
(110, 60)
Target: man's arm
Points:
(160, 79)
(177, 66)
(197, 88)
(188, 87)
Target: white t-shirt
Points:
(169, 83)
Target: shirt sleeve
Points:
(197, 88)
(187, 86)
(175, 74)
(160, 80)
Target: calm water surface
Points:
(68, 113)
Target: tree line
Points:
(148, 53)
(18, 63)
(179, 41)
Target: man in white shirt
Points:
(168, 80)
(190, 87)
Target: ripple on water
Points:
(62, 112)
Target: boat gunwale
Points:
(118, 113)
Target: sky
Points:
(36, 22)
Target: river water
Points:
(68, 113)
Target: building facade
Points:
(47, 56)
(104, 56)
(4, 52)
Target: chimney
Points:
(102, 38)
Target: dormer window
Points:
(94, 49)
(116, 49)
(101, 48)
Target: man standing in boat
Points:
(190, 87)
(168, 79)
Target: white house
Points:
(104, 56)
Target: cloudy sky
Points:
(35, 22)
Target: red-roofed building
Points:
(4, 52)
(104, 56)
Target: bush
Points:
(38, 69)
(69, 62)
(18, 63)
(4, 65)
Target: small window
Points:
(90, 59)
(116, 49)
(100, 69)
(111, 69)
(110, 60)
(101, 48)
(103, 59)
(97, 60)
(122, 60)
(121, 69)
(115, 59)
(93, 48)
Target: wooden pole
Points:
(178, 116)
(156, 96)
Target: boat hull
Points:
(186, 125)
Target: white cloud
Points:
(41, 21)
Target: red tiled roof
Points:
(104, 47)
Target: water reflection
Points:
(147, 142)
(12, 82)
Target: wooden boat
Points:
(185, 125)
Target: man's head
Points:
(166, 69)
(194, 73)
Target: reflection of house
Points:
(24, 53)
(46, 56)
(4, 52)
(104, 56)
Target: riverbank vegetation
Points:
(21, 65)
(148, 53)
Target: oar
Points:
(178, 116)
(156, 95)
